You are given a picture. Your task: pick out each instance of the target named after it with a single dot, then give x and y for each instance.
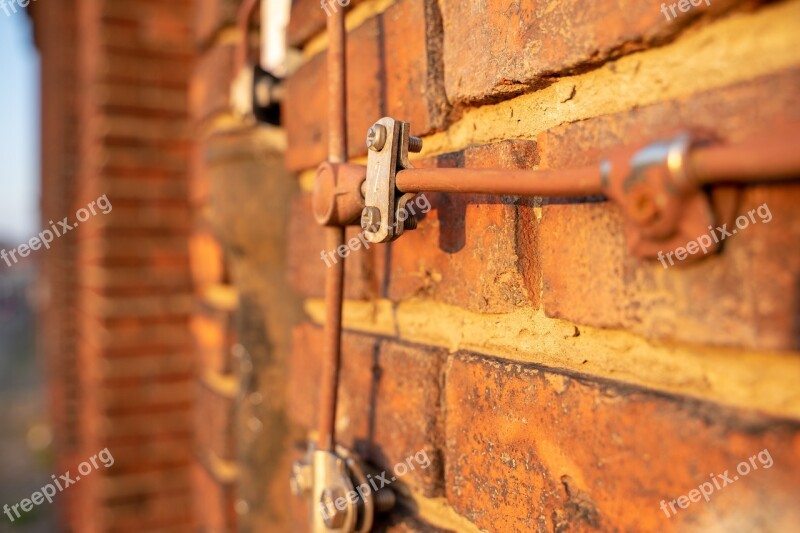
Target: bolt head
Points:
(334, 518)
(371, 219)
(300, 481)
(263, 92)
(643, 208)
(376, 137)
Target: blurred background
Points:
(26, 460)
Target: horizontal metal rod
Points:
(581, 181)
(774, 156)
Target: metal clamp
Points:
(385, 217)
(329, 481)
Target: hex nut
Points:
(371, 219)
(334, 518)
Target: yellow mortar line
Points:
(223, 471)
(307, 179)
(438, 513)
(220, 296)
(735, 49)
(226, 385)
(749, 379)
(356, 16)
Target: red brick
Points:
(145, 68)
(212, 15)
(211, 83)
(213, 503)
(415, 73)
(522, 46)
(389, 407)
(364, 270)
(533, 450)
(138, 426)
(307, 19)
(466, 251)
(740, 297)
(144, 396)
(158, 512)
(305, 109)
(215, 424)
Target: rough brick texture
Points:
(122, 114)
(180, 340)
(523, 45)
(528, 448)
(541, 451)
(396, 69)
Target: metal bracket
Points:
(329, 481)
(662, 207)
(385, 217)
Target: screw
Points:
(414, 145)
(376, 137)
(300, 481)
(371, 219)
(334, 518)
(643, 208)
(385, 500)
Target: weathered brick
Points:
(214, 424)
(213, 503)
(533, 450)
(740, 297)
(307, 19)
(305, 109)
(478, 257)
(212, 15)
(414, 72)
(144, 396)
(364, 272)
(520, 47)
(389, 401)
(211, 82)
(160, 512)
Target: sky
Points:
(19, 130)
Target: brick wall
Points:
(558, 383)
(116, 123)
(241, 196)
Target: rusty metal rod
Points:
(581, 181)
(334, 277)
(768, 157)
(246, 10)
(765, 158)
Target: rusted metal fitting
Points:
(337, 487)
(337, 199)
(661, 203)
(384, 217)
